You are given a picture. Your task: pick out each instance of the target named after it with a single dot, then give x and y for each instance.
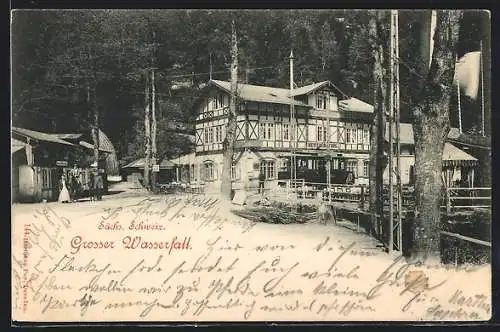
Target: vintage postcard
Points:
(251, 165)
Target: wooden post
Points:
(448, 200)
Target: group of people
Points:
(71, 188)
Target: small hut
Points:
(134, 171)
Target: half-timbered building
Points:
(328, 122)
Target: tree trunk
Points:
(147, 133)
(378, 126)
(91, 98)
(153, 128)
(431, 126)
(228, 144)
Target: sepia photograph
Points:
(273, 165)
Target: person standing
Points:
(262, 179)
(63, 193)
(91, 185)
(99, 185)
(75, 183)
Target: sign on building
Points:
(62, 163)
(322, 145)
(156, 168)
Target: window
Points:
(193, 173)
(211, 134)
(322, 101)
(221, 101)
(207, 171)
(205, 135)
(234, 171)
(266, 131)
(218, 102)
(350, 135)
(352, 166)
(366, 136)
(267, 167)
(353, 136)
(366, 164)
(322, 133)
(218, 134)
(262, 131)
(286, 129)
(270, 131)
(278, 131)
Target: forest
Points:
(64, 62)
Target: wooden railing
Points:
(459, 246)
(464, 198)
(336, 192)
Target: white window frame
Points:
(352, 166)
(211, 134)
(208, 170)
(323, 101)
(366, 168)
(218, 134)
(286, 132)
(266, 131)
(268, 167)
(205, 135)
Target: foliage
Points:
(57, 54)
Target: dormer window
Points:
(218, 102)
(322, 101)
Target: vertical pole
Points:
(391, 132)
(153, 128)
(292, 126)
(459, 108)
(210, 66)
(397, 111)
(482, 88)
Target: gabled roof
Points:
(105, 144)
(274, 95)
(259, 93)
(355, 105)
(315, 86)
(39, 136)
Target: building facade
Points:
(328, 123)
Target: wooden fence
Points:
(466, 198)
(453, 199)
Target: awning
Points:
(39, 136)
(454, 157)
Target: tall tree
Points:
(147, 131)
(228, 144)
(431, 125)
(377, 128)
